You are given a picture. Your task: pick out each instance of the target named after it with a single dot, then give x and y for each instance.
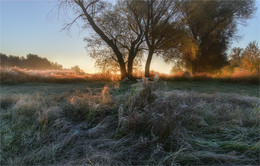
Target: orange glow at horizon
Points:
(88, 64)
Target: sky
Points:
(31, 26)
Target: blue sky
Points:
(30, 27)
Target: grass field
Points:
(211, 87)
(151, 123)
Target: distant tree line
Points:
(31, 61)
(247, 59)
(193, 34)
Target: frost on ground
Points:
(146, 125)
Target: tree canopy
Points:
(212, 25)
(194, 34)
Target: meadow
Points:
(113, 123)
(205, 111)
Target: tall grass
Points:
(147, 125)
(18, 75)
(236, 77)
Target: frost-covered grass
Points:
(145, 123)
(216, 87)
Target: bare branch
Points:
(69, 25)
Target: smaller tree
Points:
(78, 70)
(235, 58)
(251, 57)
(247, 59)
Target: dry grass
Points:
(18, 75)
(41, 130)
(148, 125)
(236, 77)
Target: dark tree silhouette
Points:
(122, 24)
(30, 62)
(115, 25)
(162, 29)
(212, 26)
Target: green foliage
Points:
(247, 60)
(251, 58)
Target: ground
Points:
(198, 86)
(151, 123)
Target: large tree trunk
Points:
(105, 38)
(194, 68)
(121, 62)
(132, 54)
(148, 63)
(123, 71)
(130, 67)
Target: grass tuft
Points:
(144, 125)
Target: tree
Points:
(89, 12)
(161, 27)
(78, 70)
(235, 57)
(251, 57)
(234, 61)
(116, 26)
(247, 59)
(123, 25)
(211, 25)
